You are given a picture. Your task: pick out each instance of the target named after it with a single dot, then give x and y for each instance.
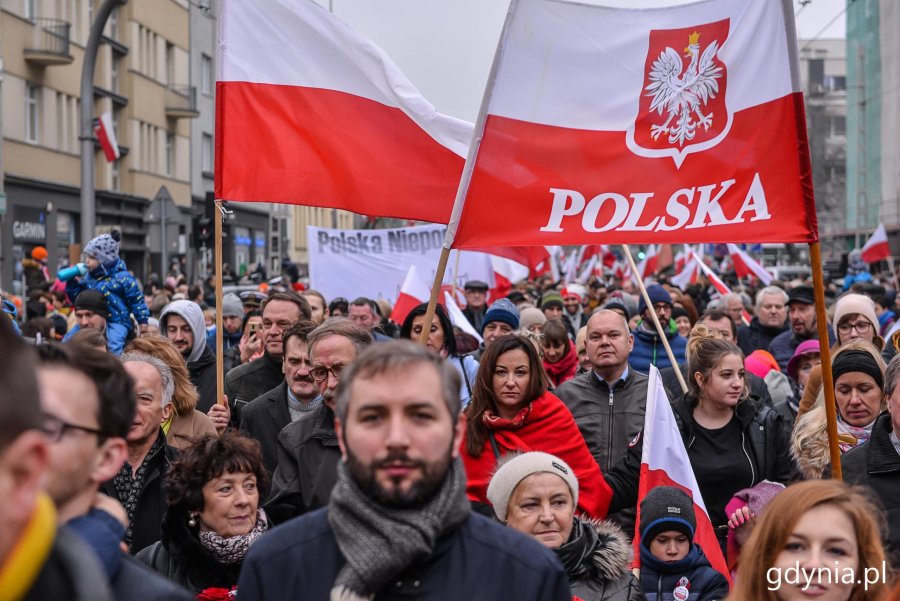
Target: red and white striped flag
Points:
(687, 275)
(648, 264)
(310, 112)
(745, 265)
(876, 248)
(413, 292)
(106, 135)
(720, 286)
(458, 318)
(665, 462)
(676, 91)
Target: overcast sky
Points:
(445, 47)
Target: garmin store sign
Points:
(30, 225)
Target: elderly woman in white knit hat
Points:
(536, 494)
(854, 319)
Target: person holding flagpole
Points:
(732, 441)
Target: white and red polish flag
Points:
(506, 273)
(310, 112)
(720, 286)
(876, 248)
(458, 318)
(106, 135)
(665, 462)
(413, 292)
(687, 275)
(648, 264)
(666, 125)
(745, 265)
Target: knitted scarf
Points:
(233, 549)
(379, 543)
(564, 369)
(859, 435)
(129, 488)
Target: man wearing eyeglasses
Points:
(308, 451)
(648, 347)
(88, 409)
(248, 381)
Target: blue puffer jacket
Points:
(123, 295)
(659, 579)
(649, 350)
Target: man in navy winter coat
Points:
(398, 524)
(648, 347)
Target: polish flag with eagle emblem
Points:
(662, 125)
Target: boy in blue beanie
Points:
(108, 275)
(673, 567)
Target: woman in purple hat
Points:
(805, 358)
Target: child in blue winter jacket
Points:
(673, 567)
(108, 275)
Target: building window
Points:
(170, 153)
(170, 63)
(30, 9)
(839, 125)
(31, 113)
(114, 74)
(206, 76)
(115, 175)
(113, 23)
(207, 154)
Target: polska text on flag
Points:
(677, 92)
(310, 112)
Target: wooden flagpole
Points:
(435, 290)
(659, 328)
(815, 257)
(220, 366)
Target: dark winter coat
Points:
(597, 559)
(757, 336)
(123, 295)
(783, 346)
(757, 386)
(263, 419)
(480, 559)
(765, 440)
(659, 579)
(308, 456)
(203, 377)
(250, 380)
(649, 350)
(228, 340)
(608, 419)
(136, 582)
(876, 464)
(181, 558)
(70, 572)
(151, 506)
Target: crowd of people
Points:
(345, 459)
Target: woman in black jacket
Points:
(213, 513)
(732, 441)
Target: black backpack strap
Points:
(462, 364)
(494, 446)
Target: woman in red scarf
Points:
(560, 357)
(511, 411)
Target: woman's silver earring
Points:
(192, 521)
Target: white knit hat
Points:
(518, 467)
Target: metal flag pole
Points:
(815, 256)
(662, 335)
(220, 366)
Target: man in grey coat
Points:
(608, 402)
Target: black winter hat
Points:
(657, 294)
(667, 508)
(92, 300)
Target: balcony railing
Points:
(50, 44)
(181, 102)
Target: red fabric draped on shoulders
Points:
(550, 428)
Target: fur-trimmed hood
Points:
(809, 442)
(596, 549)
